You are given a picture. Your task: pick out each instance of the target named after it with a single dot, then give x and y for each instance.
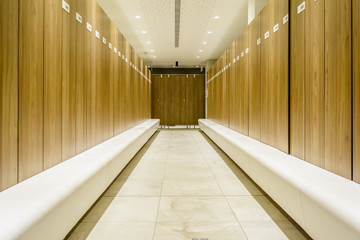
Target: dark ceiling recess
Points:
(174, 71)
(177, 63)
(177, 22)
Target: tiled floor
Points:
(181, 186)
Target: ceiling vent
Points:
(177, 22)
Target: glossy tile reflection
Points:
(181, 186)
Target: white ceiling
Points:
(196, 19)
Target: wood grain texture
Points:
(237, 84)
(118, 100)
(254, 79)
(80, 122)
(244, 85)
(265, 45)
(314, 83)
(338, 87)
(297, 81)
(283, 96)
(9, 84)
(68, 83)
(232, 85)
(356, 89)
(31, 87)
(52, 83)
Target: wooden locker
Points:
(283, 88)
(113, 68)
(155, 98)
(254, 79)
(237, 83)
(356, 89)
(198, 98)
(126, 76)
(297, 81)
(52, 83)
(232, 85)
(265, 30)
(118, 96)
(9, 86)
(338, 87)
(80, 134)
(90, 63)
(244, 85)
(31, 88)
(314, 83)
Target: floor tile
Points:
(123, 209)
(188, 187)
(113, 231)
(186, 231)
(194, 209)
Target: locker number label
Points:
(97, 34)
(110, 45)
(123, 57)
(258, 42)
(247, 50)
(78, 17)
(286, 18)
(119, 53)
(66, 6)
(115, 50)
(89, 27)
(234, 60)
(238, 57)
(301, 8)
(242, 54)
(104, 40)
(126, 60)
(276, 28)
(267, 34)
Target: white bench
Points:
(49, 204)
(325, 205)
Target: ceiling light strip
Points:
(177, 22)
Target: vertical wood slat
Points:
(338, 87)
(80, 124)
(356, 89)
(9, 84)
(314, 83)
(297, 80)
(52, 83)
(31, 87)
(68, 82)
(237, 84)
(244, 85)
(232, 85)
(254, 79)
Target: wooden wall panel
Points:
(232, 86)
(31, 87)
(314, 83)
(118, 100)
(297, 81)
(244, 85)
(338, 87)
(265, 45)
(113, 77)
(283, 96)
(68, 82)
(237, 84)
(199, 99)
(356, 89)
(126, 76)
(9, 83)
(80, 122)
(90, 63)
(52, 83)
(254, 79)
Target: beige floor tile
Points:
(195, 173)
(123, 209)
(269, 230)
(144, 172)
(187, 231)
(254, 208)
(194, 209)
(141, 188)
(188, 187)
(113, 231)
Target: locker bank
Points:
(180, 119)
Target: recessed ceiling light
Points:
(209, 32)
(204, 43)
(137, 17)
(197, 66)
(152, 50)
(154, 56)
(200, 50)
(148, 42)
(174, 66)
(216, 17)
(197, 56)
(143, 32)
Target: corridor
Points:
(181, 186)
